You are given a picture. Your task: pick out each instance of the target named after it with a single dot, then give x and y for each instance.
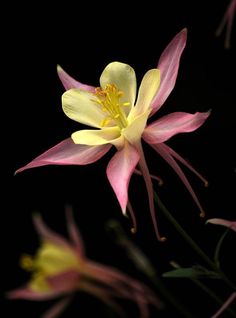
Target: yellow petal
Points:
(134, 131)
(96, 137)
(53, 259)
(123, 76)
(147, 91)
(82, 107)
(38, 283)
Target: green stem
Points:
(193, 245)
(143, 264)
(164, 291)
(208, 291)
(218, 247)
(212, 295)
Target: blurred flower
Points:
(61, 267)
(227, 21)
(229, 224)
(122, 122)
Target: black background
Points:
(83, 39)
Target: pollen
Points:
(109, 100)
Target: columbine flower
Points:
(122, 122)
(229, 224)
(61, 267)
(227, 20)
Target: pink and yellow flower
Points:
(120, 119)
(227, 20)
(60, 268)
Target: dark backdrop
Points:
(83, 39)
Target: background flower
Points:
(60, 268)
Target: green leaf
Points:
(191, 272)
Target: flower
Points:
(120, 121)
(229, 224)
(60, 268)
(227, 20)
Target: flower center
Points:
(50, 260)
(27, 262)
(38, 281)
(109, 99)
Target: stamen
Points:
(27, 262)
(109, 99)
(105, 121)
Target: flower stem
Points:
(212, 295)
(218, 247)
(190, 241)
(143, 264)
(175, 303)
(208, 291)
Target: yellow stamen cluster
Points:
(38, 282)
(109, 99)
(27, 262)
(51, 259)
